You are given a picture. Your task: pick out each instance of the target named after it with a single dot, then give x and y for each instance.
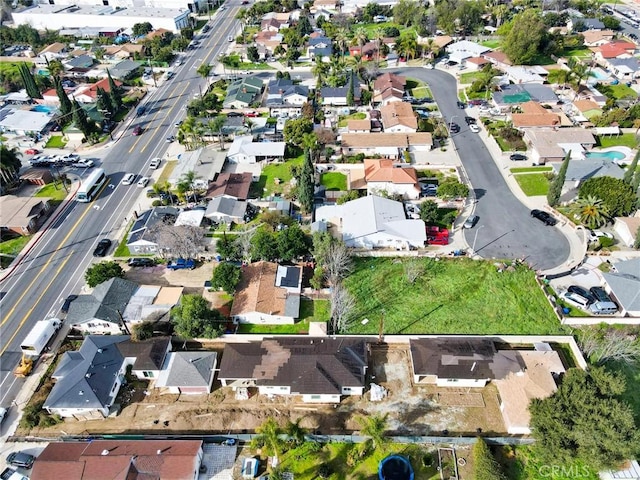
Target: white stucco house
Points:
(245, 150)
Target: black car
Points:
(21, 459)
(454, 127)
(470, 120)
(67, 303)
(141, 262)
(461, 105)
(583, 292)
(235, 114)
(600, 294)
(102, 248)
(518, 157)
(544, 217)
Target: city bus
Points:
(91, 185)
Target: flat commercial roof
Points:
(14, 119)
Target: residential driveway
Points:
(505, 229)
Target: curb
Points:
(33, 242)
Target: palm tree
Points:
(341, 40)
(249, 124)
(9, 167)
(189, 178)
(215, 126)
(204, 70)
(295, 432)
(378, 35)
(319, 70)
(408, 45)
(268, 438)
(591, 211)
(55, 67)
(374, 427)
(560, 76)
(360, 37)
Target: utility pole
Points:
(381, 328)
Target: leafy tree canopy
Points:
(226, 276)
(295, 129)
(618, 197)
(525, 37)
(101, 272)
(194, 319)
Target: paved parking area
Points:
(219, 460)
(32, 448)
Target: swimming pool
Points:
(610, 155)
(42, 109)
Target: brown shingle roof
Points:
(398, 113)
(387, 80)
(124, 460)
(535, 120)
(364, 124)
(586, 105)
(384, 170)
(401, 140)
(257, 291)
(498, 56)
(56, 47)
(232, 184)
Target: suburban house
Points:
(623, 283)
(100, 312)
(553, 145)
(627, 229)
(460, 51)
(119, 459)
(586, 110)
(625, 69)
(88, 380)
(191, 218)
(55, 51)
(151, 303)
(319, 369)
(580, 170)
(274, 21)
(337, 96)
(188, 373)
(472, 362)
(79, 64)
(245, 150)
(125, 69)
(535, 115)
(115, 53)
(476, 63)
(359, 126)
(510, 95)
(582, 23)
(383, 175)
(398, 117)
(530, 74)
(267, 41)
(23, 215)
(391, 145)
(283, 96)
(267, 294)
(22, 121)
(614, 49)
(243, 92)
(226, 209)
(388, 88)
(89, 93)
(596, 38)
(320, 46)
(374, 222)
(141, 237)
(235, 185)
(498, 59)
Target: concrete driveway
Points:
(505, 228)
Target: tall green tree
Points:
(295, 129)
(101, 272)
(374, 427)
(65, 103)
(226, 276)
(525, 38)
(351, 100)
(263, 245)
(193, 318)
(555, 189)
(485, 466)
(81, 121)
(28, 81)
(103, 102)
(616, 195)
(115, 93)
(585, 420)
(306, 183)
(292, 243)
(204, 70)
(268, 438)
(631, 170)
(9, 167)
(215, 126)
(140, 29)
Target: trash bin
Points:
(566, 310)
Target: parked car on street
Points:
(454, 128)
(102, 248)
(461, 105)
(544, 217)
(155, 163)
(83, 163)
(128, 179)
(474, 128)
(143, 182)
(137, 131)
(470, 120)
(471, 221)
(67, 303)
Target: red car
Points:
(32, 151)
(137, 131)
(251, 114)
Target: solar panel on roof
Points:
(291, 277)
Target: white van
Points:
(575, 300)
(603, 308)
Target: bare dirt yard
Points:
(417, 410)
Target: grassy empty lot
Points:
(334, 181)
(56, 141)
(533, 184)
(342, 122)
(624, 140)
(451, 296)
(470, 77)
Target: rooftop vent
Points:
(99, 350)
(104, 452)
(81, 392)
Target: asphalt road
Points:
(55, 267)
(505, 228)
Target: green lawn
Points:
(622, 91)
(533, 184)
(334, 181)
(452, 296)
(343, 119)
(56, 141)
(54, 191)
(254, 66)
(625, 140)
(578, 52)
(470, 77)
(310, 311)
(530, 169)
(123, 250)
(420, 92)
(522, 463)
(493, 44)
(14, 246)
(268, 185)
(305, 460)
(413, 83)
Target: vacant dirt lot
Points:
(418, 410)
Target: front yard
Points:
(56, 141)
(533, 184)
(451, 296)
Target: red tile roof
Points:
(384, 170)
(398, 113)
